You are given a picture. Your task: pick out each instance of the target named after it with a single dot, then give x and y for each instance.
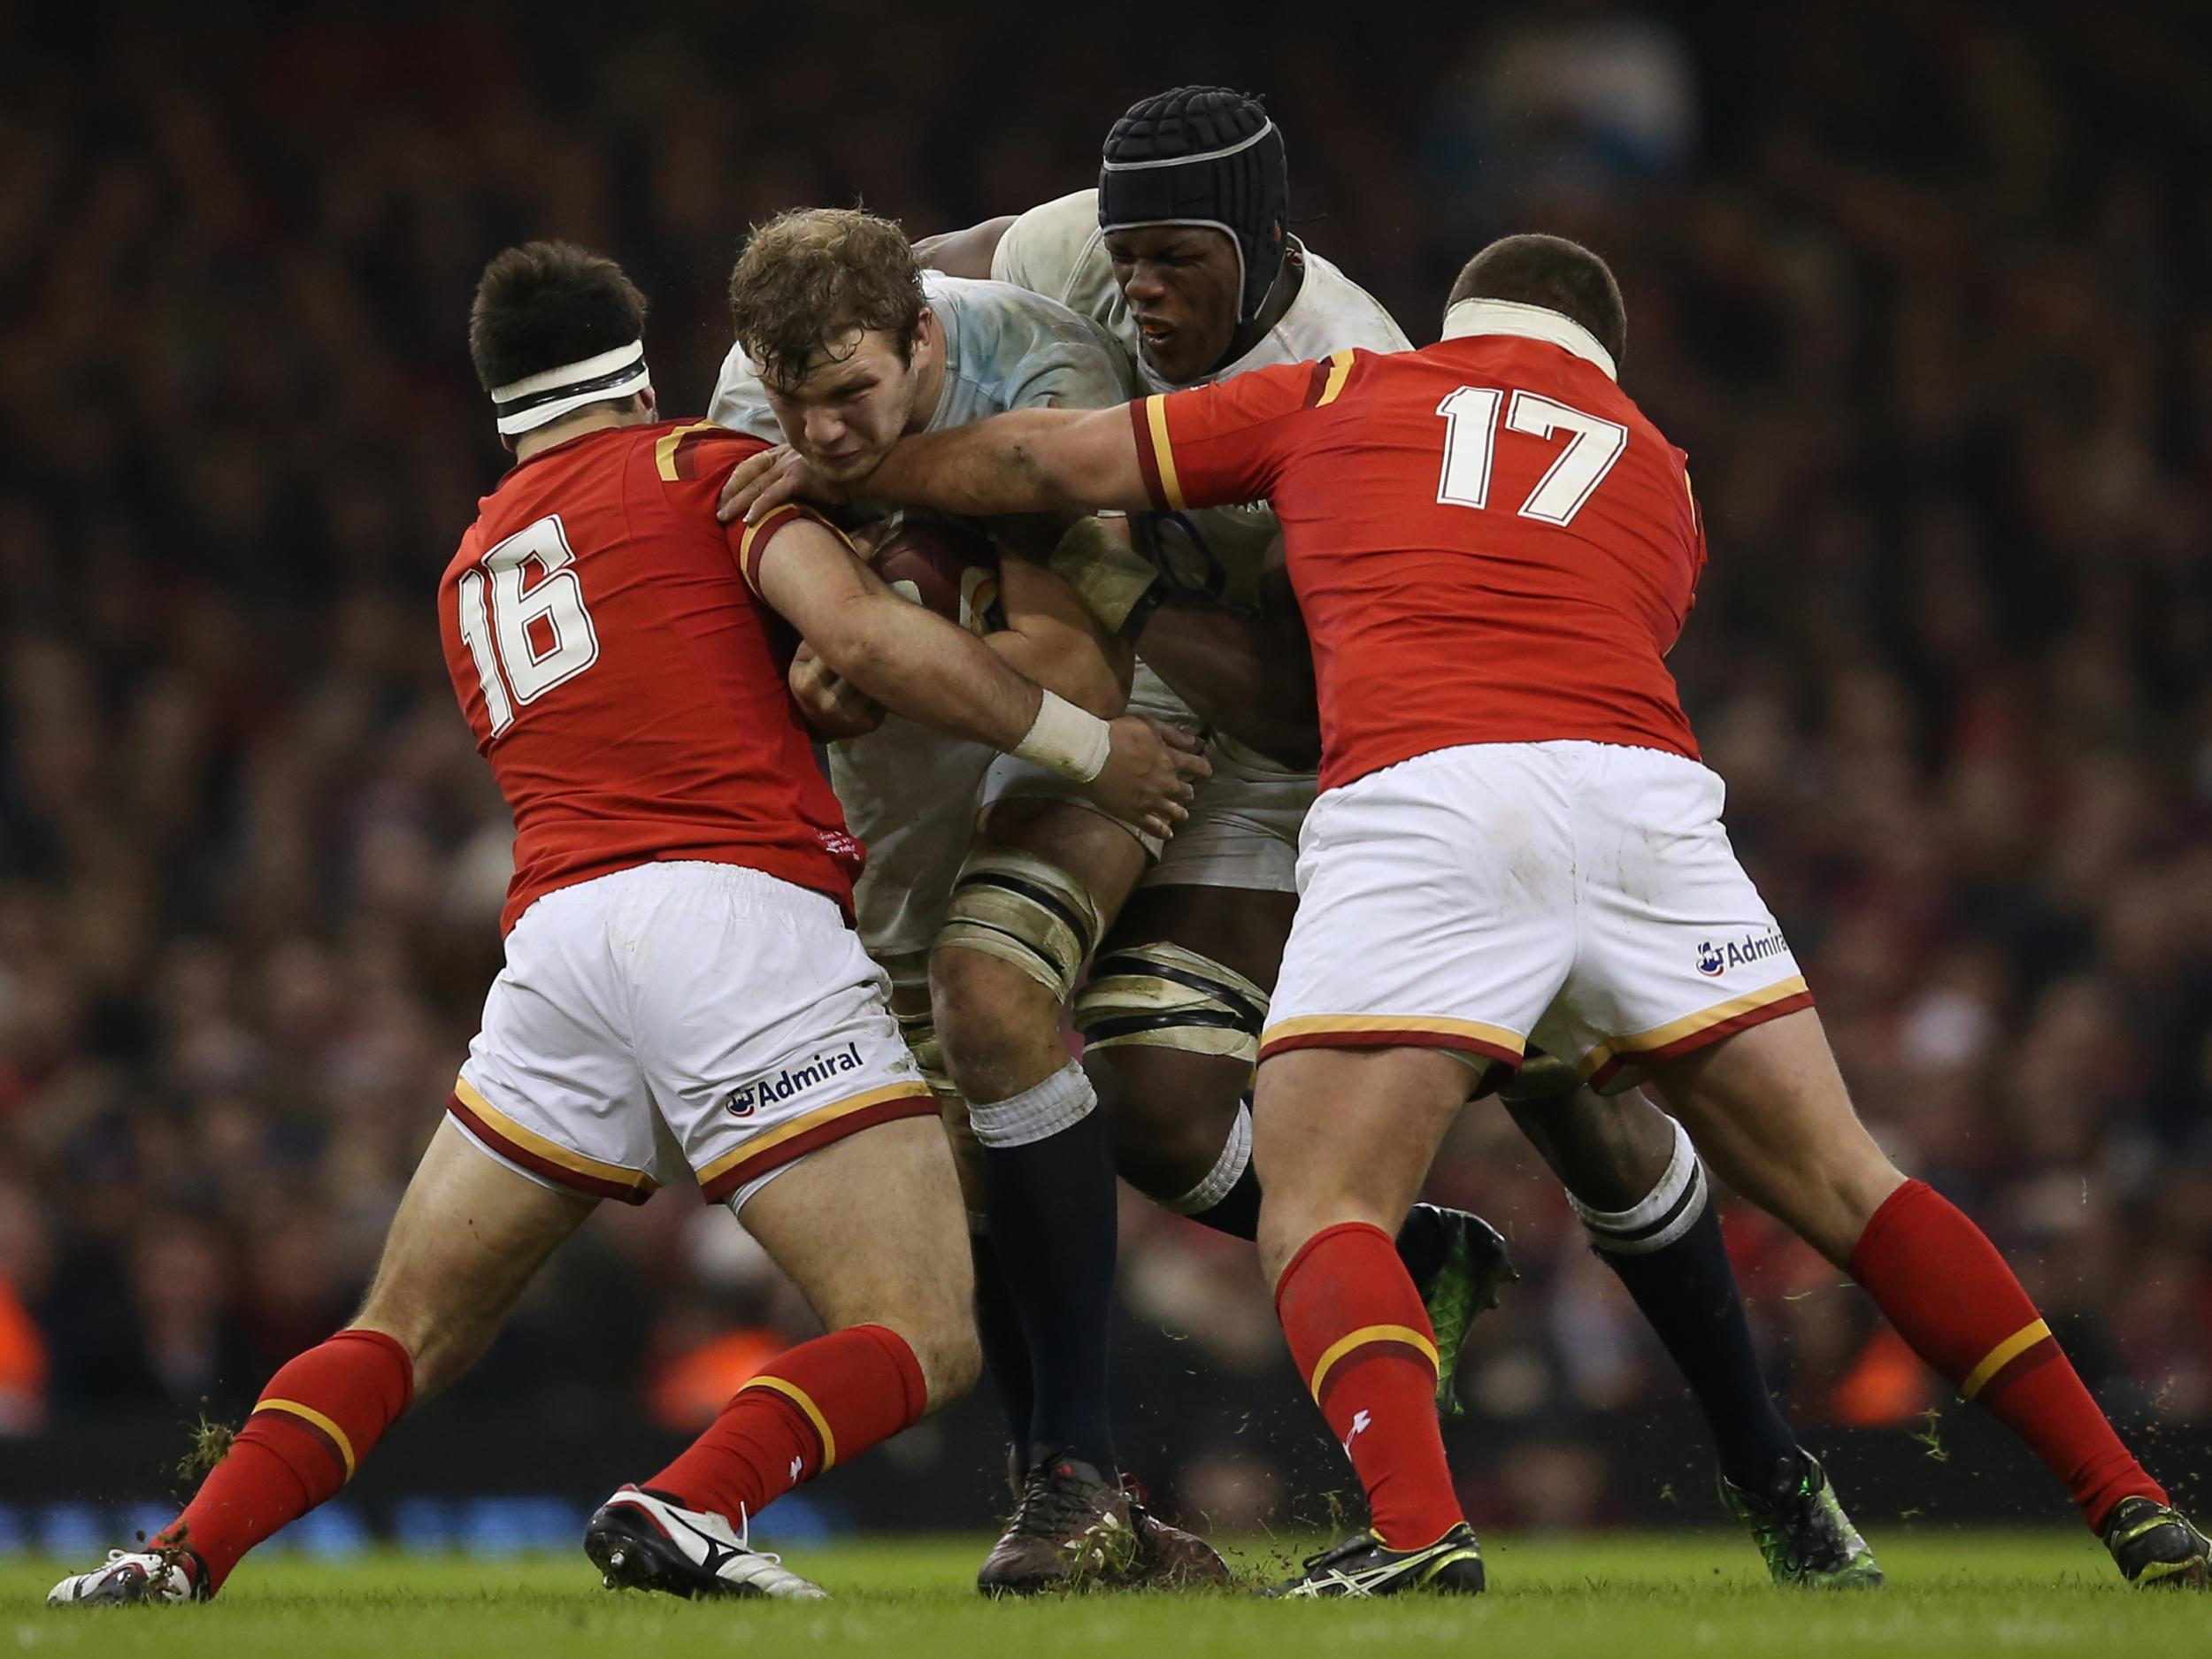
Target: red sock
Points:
(1939, 1281)
(831, 1398)
(1363, 1342)
(315, 1421)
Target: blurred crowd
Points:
(1925, 291)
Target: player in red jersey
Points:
(683, 993)
(1493, 550)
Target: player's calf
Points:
(1770, 1111)
(469, 1236)
(895, 1292)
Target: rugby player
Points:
(682, 992)
(1181, 254)
(1494, 550)
(842, 345)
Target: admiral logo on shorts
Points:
(746, 1098)
(1714, 960)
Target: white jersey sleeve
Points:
(1056, 250)
(739, 402)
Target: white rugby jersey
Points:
(911, 793)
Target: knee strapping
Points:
(1025, 909)
(1163, 996)
(917, 1025)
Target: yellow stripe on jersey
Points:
(1164, 452)
(308, 1414)
(2007, 1351)
(664, 449)
(799, 1397)
(1340, 371)
(1362, 1338)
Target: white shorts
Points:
(675, 1015)
(1244, 821)
(1582, 896)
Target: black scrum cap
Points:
(1202, 156)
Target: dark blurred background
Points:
(1924, 289)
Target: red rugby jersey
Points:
(621, 676)
(1490, 542)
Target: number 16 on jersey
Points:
(540, 636)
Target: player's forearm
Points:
(1246, 675)
(1079, 673)
(919, 666)
(1030, 460)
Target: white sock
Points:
(1668, 1211)
(1061, 1102)
(1236, 1156)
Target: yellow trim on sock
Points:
(308, 1414)
(2007, 1351)
(1360, 1338)
(799, 1397)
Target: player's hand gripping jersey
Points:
(1495, 550)
(681, 987)
(624, 682)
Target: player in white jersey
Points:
(1006, 921)
(842, 349)
(1181, 253)
(911, 793)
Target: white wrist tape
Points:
(1065, 739)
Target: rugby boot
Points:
(1802, 1531)
(1173, 1559)
(640, 1540)
(135, 1577)
(2155, 1546)
(1072, 1528)
(1364, 1566)
(1458, 1262)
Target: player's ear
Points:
(648, 401)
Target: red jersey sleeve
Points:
(1214, 446)
(694, 460)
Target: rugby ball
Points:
(947, 568)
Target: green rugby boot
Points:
(1802, 1531)
(2156, 1547)
(1458, 1261)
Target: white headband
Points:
(1530, 322)
(539, 400)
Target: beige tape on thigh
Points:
(1164, 997)
(910, 1006)
(1025, 909)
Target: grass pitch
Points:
(1624, 1595)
